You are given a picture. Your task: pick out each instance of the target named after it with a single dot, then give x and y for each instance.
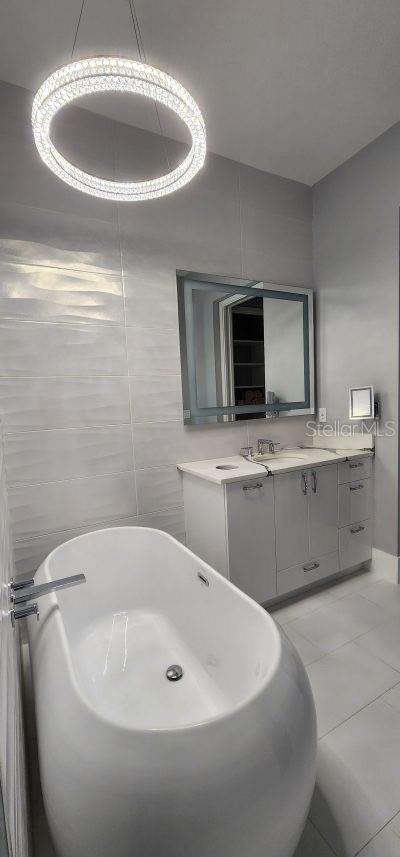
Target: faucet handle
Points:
(23, 612)
(246, 451)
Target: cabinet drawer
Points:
(306, 573)
(355, 501)
(355, 544)
(355, 469)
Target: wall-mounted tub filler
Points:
(221, 762)
(22, 592)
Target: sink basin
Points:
(279, 456)
(226, 467)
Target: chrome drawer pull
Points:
(357, 464)
(304, 483)
(310, 566)
(314, 481)
(252, 487)
(355, 487)
(358, 529)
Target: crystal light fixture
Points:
(115, 74)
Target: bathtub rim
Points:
(52, 609)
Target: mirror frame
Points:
(192, 414)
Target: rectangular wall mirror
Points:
(361, 403)
(247, 348)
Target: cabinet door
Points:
(323, 506)
(251, 537)
(291, 518)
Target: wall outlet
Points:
(322, 415)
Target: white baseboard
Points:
(385, 565)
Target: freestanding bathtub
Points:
(219, 763)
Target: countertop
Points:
(235, 468)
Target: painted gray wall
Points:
(356, 271)
(89, 358)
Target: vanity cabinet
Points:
(274, 534)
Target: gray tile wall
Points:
(12, 759)
(356, 269)
(89, 352)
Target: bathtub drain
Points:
(174, 672)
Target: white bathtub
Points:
(218, 764)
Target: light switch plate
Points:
(322, 415)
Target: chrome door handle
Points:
(358, 529)
(314, 481)
(356, 464)
(304, 483)
(355, 487)
(252, 487)
(310, 566)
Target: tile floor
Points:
(348, 636)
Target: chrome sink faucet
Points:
(23, 591)
(270, 444)
(247, 452)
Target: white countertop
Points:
(238, 468)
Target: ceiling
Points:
(294, 87)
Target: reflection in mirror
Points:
(246, 348)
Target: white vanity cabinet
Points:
(274, 534)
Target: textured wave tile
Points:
(172, 521)
(38, 403)
(158, 488)
(153, 352)
(44, 350)
(156, 398)
(56, 506)
(161, 443)
(29, 553)
(49, 456)
(150, 290)
(34, 293)
(36, 236)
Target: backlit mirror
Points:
(246, 348)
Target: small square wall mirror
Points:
(247, 348)
(361, 403)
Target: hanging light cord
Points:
(77, 28)
(142, 57)
(136, 27)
